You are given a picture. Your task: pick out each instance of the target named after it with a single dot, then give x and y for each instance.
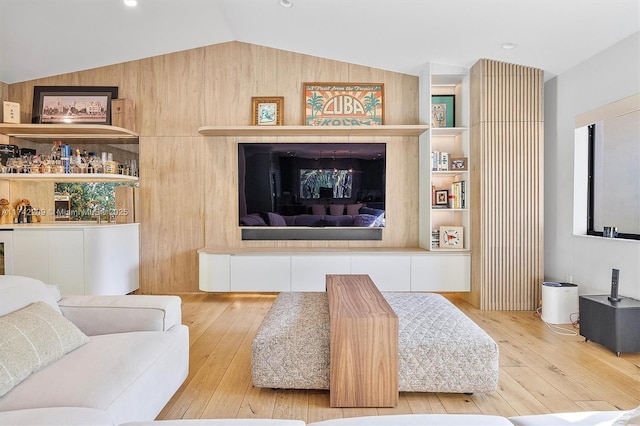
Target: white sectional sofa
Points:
(589, 418)
(87, 360)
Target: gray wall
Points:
(607, 77)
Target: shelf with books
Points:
(445, 155)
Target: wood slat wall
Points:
(507, 186)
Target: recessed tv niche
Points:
(289, 186)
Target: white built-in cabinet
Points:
(85, 259)
(393, 270)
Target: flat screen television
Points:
(312, 184)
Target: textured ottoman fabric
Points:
(291, 347)
(440, 348)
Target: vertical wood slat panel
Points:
(506, 137)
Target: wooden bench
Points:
(363, 344)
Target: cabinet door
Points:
(66, 260)
(214, 272)
(31, 254)
(308, 273)
(389, 272)
(446, 272)
(260, 273)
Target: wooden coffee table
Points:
(363, 344)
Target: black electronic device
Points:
(615, 274)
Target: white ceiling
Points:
(40, 38)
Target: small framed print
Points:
(11, 111)
(452, 237)
(443, 111)
(267, 111)
(459, 164)
(442, 197)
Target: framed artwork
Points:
(11, 112)
(267, 111)
(72, 104)
(442, 197)
(343, 104)
(452, 237)
(459, 163)
(443, 111)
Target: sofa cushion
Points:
(418, 420)
(365, 220)
(32, 338)
(273, 219)
(16, 292)
(379, 214)
(56, 416)
(253, 219)
(581, 418)
(131, 376)
(353, 209)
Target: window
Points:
(613, 196)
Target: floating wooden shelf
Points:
(384, 130)
(80, 133)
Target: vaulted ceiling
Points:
(40, 38)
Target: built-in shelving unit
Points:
(442, 80)
(79, 134)
(384, 130)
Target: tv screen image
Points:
(312, 184)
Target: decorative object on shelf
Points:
(459, 164)
(442, 197)
(11, 112)
(73, 104)
(443, 111)
(7, 212)
(267, 111)
(343, 104)
(452, 237)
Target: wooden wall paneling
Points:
(295, 69)
(170, 94)
(507, 172)
(188, 184)
(172, 217)
(234, 72)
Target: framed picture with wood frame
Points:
(267, 111)
(458, 164)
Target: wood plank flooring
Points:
(541, 371)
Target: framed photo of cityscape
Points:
(72, 104)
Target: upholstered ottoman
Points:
(291, 347)
(440, 348)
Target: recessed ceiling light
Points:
(508, 46)
(131, 3)
(286, 3)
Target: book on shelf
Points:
(440, 161)
(458, 195)
(435, 238)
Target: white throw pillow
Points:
(32, 338)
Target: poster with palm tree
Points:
(343, 104)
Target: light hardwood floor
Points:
(541, 371)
